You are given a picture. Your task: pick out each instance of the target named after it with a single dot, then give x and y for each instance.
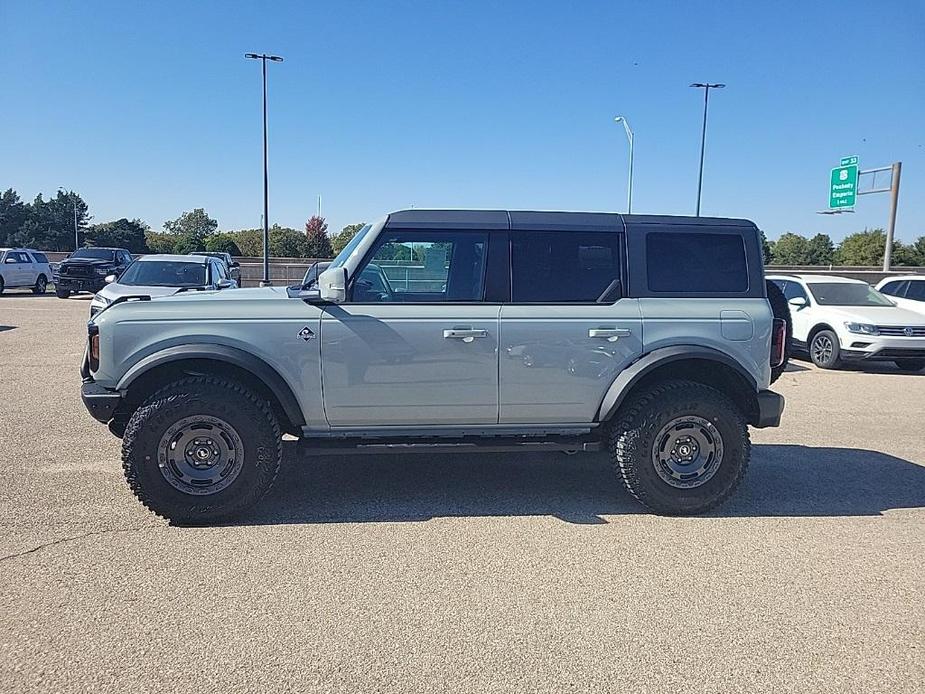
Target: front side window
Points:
(553, 267)
(423, 267)
(847, 294)
(793, 290)
(164, 274)
(690, 262)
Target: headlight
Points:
(862, 328)
(100, 299)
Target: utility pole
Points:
(629, 186)
(263, 57)
(896, 170)
(706, 86)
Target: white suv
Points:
(23, 267)
(907, 291)
(837, 319)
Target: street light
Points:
(629, 186)
(263, 57)
(706, 86)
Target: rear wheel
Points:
(910, 364)
(2, 285)
(680, 448)
(201, 450)
(824, 350)
(781, 309)
(41, 284)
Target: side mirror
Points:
(235, 263)
(797, 302)
(332, 285)
(224, 284)
(109, 279)
(10, 260)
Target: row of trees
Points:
(861, 248)
(50, 225)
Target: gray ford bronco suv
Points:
(650, 337)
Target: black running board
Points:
(492, 444)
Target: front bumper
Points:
(770, 408)
(100, 402)
(81, 284)
(880, 348)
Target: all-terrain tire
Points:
(633, 446)
(2, 285)
(252, 421)
(824, 350)
(41, 284)
(781, 309)
(62, 293)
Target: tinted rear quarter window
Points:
(916, 290)
(40, 257)
(563, 266)
(691, 262)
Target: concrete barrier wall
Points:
(292, 270)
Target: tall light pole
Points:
(263, 58)
(706, 86)
(629, 185)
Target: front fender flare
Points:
(631, 375)
(230, 355)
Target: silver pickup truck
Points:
(650, 337)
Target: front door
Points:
(567, 333)
(414, 344)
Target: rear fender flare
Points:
(625, 381)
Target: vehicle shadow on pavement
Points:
(783, 480)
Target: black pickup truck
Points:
(86, 269)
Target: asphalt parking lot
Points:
(511, 573)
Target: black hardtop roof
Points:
(539, 220)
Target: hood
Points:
(876, 315)
(249, 294)
(86, 261)
(114, 290)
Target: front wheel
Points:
(681, 448)
(824, 350)
(201, 450)
(61, 293)
(910, 364)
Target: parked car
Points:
(232, 265)
(201, 387)
(24, 267)
(163, 275)
(907, 291)
(836, 319)
(86, 269)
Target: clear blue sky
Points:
(150, 109)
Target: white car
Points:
(163, 275)
(907, 291)
(837, 319)
(23, 267)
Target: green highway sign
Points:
(848, 161)
(843, 188)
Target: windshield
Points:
(847, 294)
(164, 274)
(350, 247)
(95, 253)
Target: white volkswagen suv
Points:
(837, 319)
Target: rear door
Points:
(568, 330)
(415, 344)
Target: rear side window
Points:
(916, 290)
(691, 262)
(564, 267)
(39, 257)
